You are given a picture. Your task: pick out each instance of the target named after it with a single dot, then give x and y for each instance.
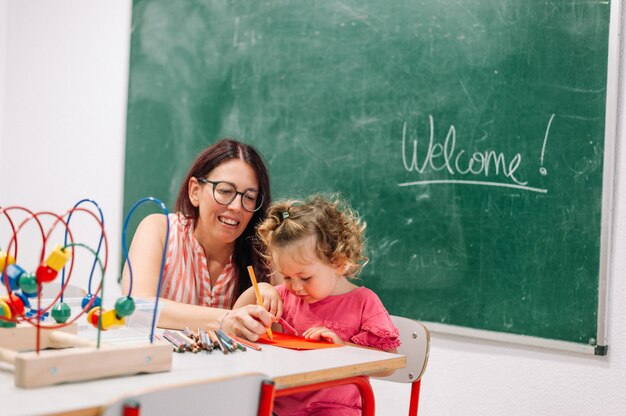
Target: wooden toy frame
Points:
(66, 357)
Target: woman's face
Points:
(219, 223)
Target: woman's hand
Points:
(319, 332)
(248, 321)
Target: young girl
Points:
(316, 247)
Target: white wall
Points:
(3, 48)
(62, 139)
(66, 75)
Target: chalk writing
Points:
(469, 168)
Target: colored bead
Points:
(61, 312)
(23, 298)
(57, 259)
(45, 274)
(124, 306)
(5, 312)
(28, 283)
(33, 314)
(111, 320)
(7, 324)
(93, 315)
(15, 303)
(87, 299)
(13, 273)
(5, 259)
(4, 309)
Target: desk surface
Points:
(287, 368)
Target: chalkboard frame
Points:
(599, 345)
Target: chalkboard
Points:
(470, 135)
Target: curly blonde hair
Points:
(337, 228)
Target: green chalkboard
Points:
(470, 135)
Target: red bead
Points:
(95, 317)
(45, 274)
(15, 303)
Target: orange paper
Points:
(295, 343)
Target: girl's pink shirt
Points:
(186, 275)
(358, 317)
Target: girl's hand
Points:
(271, 299)
(321, 333)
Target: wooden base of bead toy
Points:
(65, 357)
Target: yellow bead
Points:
(111, 320)
(5, 260)
(57, 259)
(4, 309)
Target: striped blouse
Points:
(186, 275)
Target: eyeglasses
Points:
(225, 192)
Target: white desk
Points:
(287, 368)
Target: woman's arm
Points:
(145, 254)
(248, 321)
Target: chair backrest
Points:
(415, 340)
(237, 395)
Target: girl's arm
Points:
(317, 333)
(271, 299)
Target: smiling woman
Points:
(209, 245)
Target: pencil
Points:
(286, 325)
(245, 342)
(259, 299)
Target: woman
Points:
(223, 197)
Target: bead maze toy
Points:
(42, 341)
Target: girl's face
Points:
(305, 275)
(223, 223)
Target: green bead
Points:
(28, 283)
(61, 312)
(124, 306)
(7, 324)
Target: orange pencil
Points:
(259, 299)
(245, 342)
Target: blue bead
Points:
(25, 300)
(87, 299)
(13, 272)
(32, 313)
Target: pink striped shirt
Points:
(186, 275)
